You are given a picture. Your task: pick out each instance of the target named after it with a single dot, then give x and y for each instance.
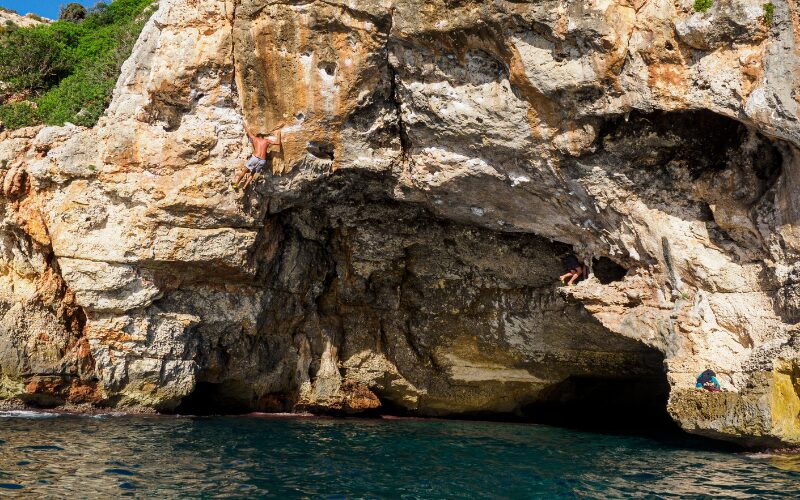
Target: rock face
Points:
(440, 159)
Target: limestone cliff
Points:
(441, 157)
(10, 17)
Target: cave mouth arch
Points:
(517, 273)
(622, 404)
(208, 398)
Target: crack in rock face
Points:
(440, 161)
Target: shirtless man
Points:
(575, 270)
(258, 161)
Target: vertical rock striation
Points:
(440, 158)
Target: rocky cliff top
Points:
(26, 21)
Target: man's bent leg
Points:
(248, 181)
(242, 173)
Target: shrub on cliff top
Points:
(67, 70)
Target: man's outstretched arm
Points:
(249, 133)
(277, 135)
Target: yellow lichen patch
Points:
(151, 394)
(785, 404)
(10, 388)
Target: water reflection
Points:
(788, 460)
(247, 457)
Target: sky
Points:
(46, 8)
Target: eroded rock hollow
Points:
(440, 159)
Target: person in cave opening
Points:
(576, 270)
(708, 381)
(255, 165)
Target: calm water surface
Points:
(58, 456)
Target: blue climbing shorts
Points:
(255, 164)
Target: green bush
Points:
(69, 69)
(17, 115)
(702, 5)
(100, 15)
(769, 12)
(33, 59)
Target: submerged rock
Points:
(440, 159)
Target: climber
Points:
(575, 270)
(258, 161)
(708, 381)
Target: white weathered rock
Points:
(25, 21)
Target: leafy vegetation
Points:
(769, 12)
(17, 114)
(702, 5)
(33, 60)
(65, 71)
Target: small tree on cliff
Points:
(31, 60)
(72, 12)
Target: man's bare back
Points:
(262, 144)
(259, 160)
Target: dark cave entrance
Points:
(207, 398)
(607, 271)
(635, 405)
(705, 141)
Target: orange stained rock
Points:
(752, 71)
(109, 336)
(668, 81)
(30, 217)
(50, 287)
(84, 392)
(622, 18)
(309, 78)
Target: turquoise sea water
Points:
(68, 456)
